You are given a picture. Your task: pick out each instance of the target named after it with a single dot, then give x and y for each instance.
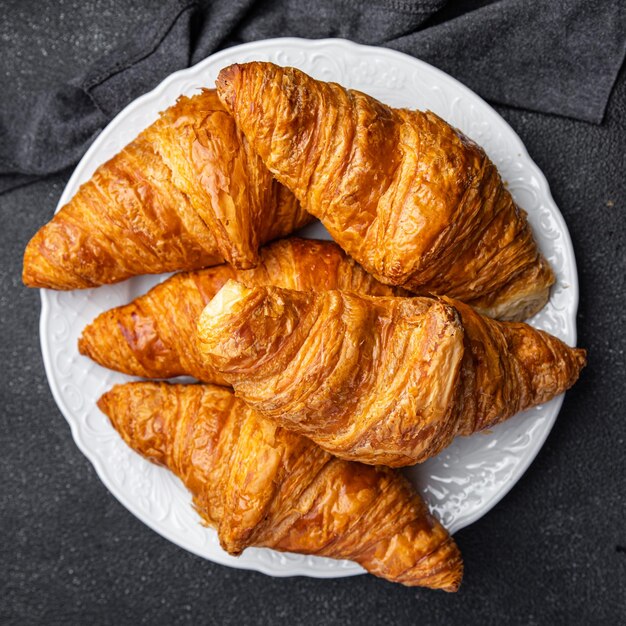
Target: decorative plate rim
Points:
(308, 46)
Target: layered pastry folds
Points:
(408, 196)
(187, 193)
(154, 336)
(380, 380)
(260, 485)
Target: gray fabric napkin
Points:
(554, 56)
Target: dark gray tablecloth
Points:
(552, 56)
(552, 552)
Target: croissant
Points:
(187, 193)
(260, 485)
(408, 196)
(155, 335)
(379, 380)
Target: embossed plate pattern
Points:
(463, 482)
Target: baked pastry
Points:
(187, 193)
(260, 485)
(379, 380)
(408, 196)
(154, 336)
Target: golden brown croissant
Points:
(187, 193)
(407, 195)
(379, 380)
(155, 335)
(260, 485)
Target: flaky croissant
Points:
(154, 336)
(260, 485)
(379, 380)
(187, 193)
(408, 196)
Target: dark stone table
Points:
(552, 552)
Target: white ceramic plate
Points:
(463, 482)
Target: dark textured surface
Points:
(551, 56)
(552, 552)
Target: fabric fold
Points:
(558, 57)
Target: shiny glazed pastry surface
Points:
(260, 485)
(408, 196)
(187, 193)
(380, 380)
(155, 335)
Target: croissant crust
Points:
(408, 196)
(260, 485)
(154, 336)
(187, 193)
(379, 379)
